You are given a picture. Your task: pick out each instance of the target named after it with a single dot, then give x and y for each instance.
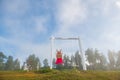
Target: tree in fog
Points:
(16, 64)
(23, 66)
(118, 60)
(103, 62)
(90, 58)
(9, 64)
(66, 61)
(38, 63)
(33, 62)
(96, 60)
(78, 60)
(100, 61)
(53, 63)
(111, 58)
(2, 58)
(73, 64)
(45, 63)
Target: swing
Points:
(59, 54)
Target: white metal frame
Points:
(80, 49)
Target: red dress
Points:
(59, 58)
(59, 61)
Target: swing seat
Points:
(59, 61)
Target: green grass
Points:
(60, 75)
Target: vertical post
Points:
(52, 40)
(82, 55)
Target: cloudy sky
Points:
(27, 25)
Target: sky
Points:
(27, 25)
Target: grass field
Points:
(60, 75)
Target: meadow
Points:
(60, 75)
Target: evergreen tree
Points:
(118, 61)
(38, 64)
(33, 62)
(2, 63)
(16, 64)
(53, 63)
(23, 66)
(100, 61)
(96, 60)
(66, 61)
(103, 62)
(78, 60)
(45, 63)
(73, 65)
(111, 58)
(9, 64)
(90, 58)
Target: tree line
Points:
(94, 61)
(7, 63)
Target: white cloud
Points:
(40, 24)
(118, 3)
(107, 39)
(69, 14)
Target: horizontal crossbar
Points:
(61, 38)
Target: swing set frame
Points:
(61, 38)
